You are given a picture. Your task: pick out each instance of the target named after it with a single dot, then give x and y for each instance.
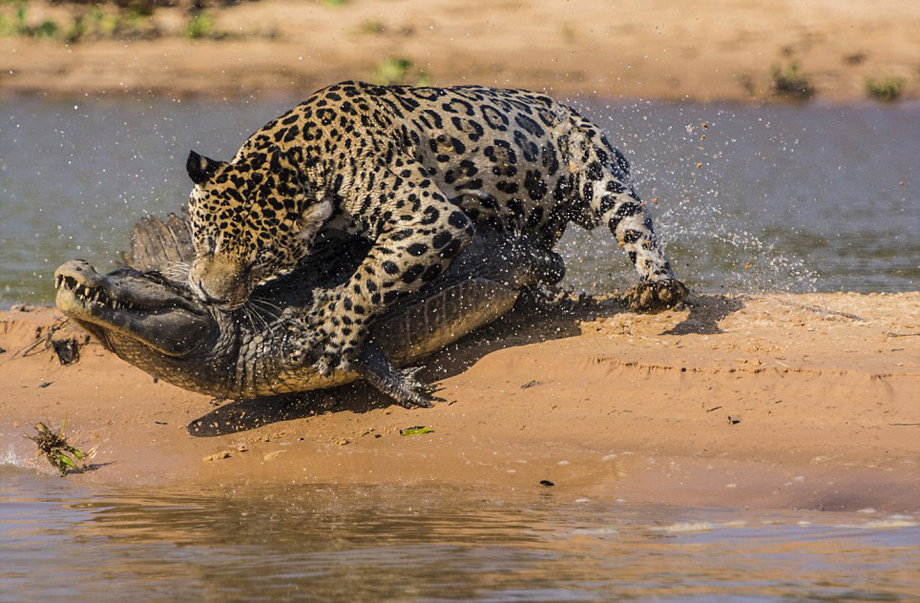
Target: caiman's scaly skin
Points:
(160, 326)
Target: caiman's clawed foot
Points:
(401, 385)
(653, 296)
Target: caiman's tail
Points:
(160, 246)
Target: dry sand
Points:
(767, 401)
(664, 49)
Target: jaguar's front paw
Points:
(322, 355)
(330, 361)
(299, 345)
(652, 296)
(341, 343)
(327, 346)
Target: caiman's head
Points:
(128, 309)
(252, 220)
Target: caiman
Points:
(156, 323)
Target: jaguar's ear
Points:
(201, 168)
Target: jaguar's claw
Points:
(652, 296)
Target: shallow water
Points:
(61, 541)
(784, 198)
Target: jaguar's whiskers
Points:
(177, 271)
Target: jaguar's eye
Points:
(256, 272)
(205, 247)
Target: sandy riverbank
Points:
(776, 401)
(666, 50)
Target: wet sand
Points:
(667, 50)
(764, 401)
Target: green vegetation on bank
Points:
(790, 83)
(200, 25)
(399, 70)
(887, 89)
(126, 21)
(17, 24)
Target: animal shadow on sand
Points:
(532, 320)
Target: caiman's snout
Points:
(128, 304)
(77, 273)
(78, 284)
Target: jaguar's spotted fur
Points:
(414, 170)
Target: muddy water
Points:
(746, 198)
(60, 541)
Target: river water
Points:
(63, 542)
(748, 198)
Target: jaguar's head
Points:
(253, 219)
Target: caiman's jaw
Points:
(129, 304)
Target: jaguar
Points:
(413, 170)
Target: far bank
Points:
(713, 51)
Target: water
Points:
(784, 198)
(60, 541)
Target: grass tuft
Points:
(789, 82)
(398, 70)
(372, 26)
(199, 26)
(887, 89)
(60, 453)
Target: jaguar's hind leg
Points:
(611, 201)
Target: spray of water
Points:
(715, 229)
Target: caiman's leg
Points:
(399, 384)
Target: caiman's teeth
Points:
(87, 294)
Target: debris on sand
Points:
(66, 350)
(58, 451)
(273, 455)
(217, 456)
(414, 431)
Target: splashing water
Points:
(744, 198)
(772, 198)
